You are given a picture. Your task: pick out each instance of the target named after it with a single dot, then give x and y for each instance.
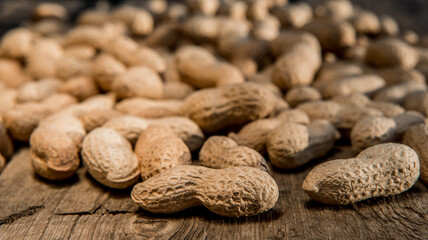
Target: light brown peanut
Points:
(146, 108)
(375, 130)
(158, 149)
(248, 190)
(109, 158)
(379, 171)
(223, 152)
(216, 109)
(292, 145)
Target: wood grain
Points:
(80, 208)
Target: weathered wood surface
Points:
(32, 208)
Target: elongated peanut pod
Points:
(416, 137)
(230, 192)
(381, 170)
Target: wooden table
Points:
(33, 208)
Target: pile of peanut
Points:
(243, 86)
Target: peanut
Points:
(335, 9)
(138, 82)
(223, 152)
(128, 126)
(301, 94)
(17, 43)
(42, 58)
(390, 52)
(366, 83)
(105, 69)
(53, 154)
(292, 145)
(398, 75)
(12, 74)
(97, 118)
(417, 101)
(50, 10)
(216, 109)
(366, 22)
(374, 130)
(6, 145)
(109, 158)
(254, 134)
(379, 171)
(158, 149)
(2, 162)
(397, 93)
(80, 87)
(147, 108)
(294, 15)
(37, 91)
(248, 191)
(202, 70)
(7, 99)
(416, 138)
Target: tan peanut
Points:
(105, 69)
(366, 22)
(184, 128)
(138, 82)
(366, 83)
(335, 9)
(53, 154)
(388, 25)
(97, 118)
(294, 15)
(398, 75)
(201, 69)
(2, 162)
(216, 109)
(69, 67)
(208, 7)
(248, 190)
(333, 35)
(7, 100)
(128, 126)
(416, 137)
(146, 108)
(390, 52)
(109, 158)
(254, 134)
(292, 145)
(176, 90)
(300, 94)
(43, 57)
(397, 93)
(37, 91)
(50, 10)
(82, 51)
(288, 70)
(223, 152)
(94, 103)
(158, 149)
(12, 73)
(379, 171)
(24, 118)
(80, 87)
(375, 130)
(417, 101)
(17, 43)
(266, 29)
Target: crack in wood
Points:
(24, 213)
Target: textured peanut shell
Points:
(216, 109)
(42, 58)
(69, 67)
(146, 108)
(138, 82)
(223, 152)
(109, 158)
(294, 15)
(417, 101)
(356, 99)
(184, 128)
(53, 154)
(176, 90)
(158, 149)
(388, 109)
(348, 116)
(94, 103)
(230, 192)
(397, 75)
(371, 131)
(416, 137)
(379, 171)
(292, 145)
(148, 57)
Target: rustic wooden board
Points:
(32, 208)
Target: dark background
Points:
(411, 14)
